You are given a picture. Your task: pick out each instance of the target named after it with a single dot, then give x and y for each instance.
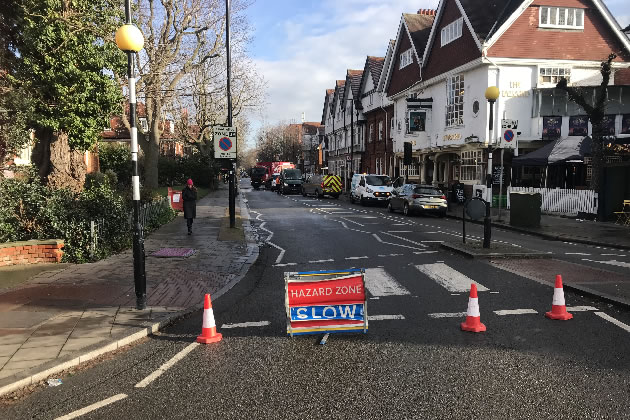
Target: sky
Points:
(301, 47)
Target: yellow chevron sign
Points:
(332, 183)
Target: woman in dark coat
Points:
(189, 196)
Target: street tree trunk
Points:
(58, 165)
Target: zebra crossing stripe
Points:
(449, 278)
(380, 283)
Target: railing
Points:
(148, 214)
(562, 201)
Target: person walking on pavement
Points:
(189, 196)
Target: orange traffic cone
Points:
(558, 308)
(209, 332)
(473, 319)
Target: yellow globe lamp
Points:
(129, 38)
(492, 93)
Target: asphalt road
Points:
(416, 363)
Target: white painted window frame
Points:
(454, 111)
(406, 58)
(452, 31)
(566, 11)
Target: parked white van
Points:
(367, 188)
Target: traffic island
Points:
(475, 249)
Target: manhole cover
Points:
(173, 252)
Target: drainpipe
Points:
(385, 128)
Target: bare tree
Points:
(181, 37)
(595, 115)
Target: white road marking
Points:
(282, 251)
(576, 253)
(581, 308)
(166, 366)
(246, 324)
(390, 255)
(384, 317)
(400, 224)
(95, 406)
(610, 262)
(448, 314)
(393, 244)
(495, 293)
(515, 311)
(449, 278)
(375, 298)
(424, 252)
(357, 258)
(284, 265)
(614, 255)
(613, 320)
(321, 261)
(400, 231)
(455, 294)
(380, 283)
(352, 221)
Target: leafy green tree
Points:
(62, 84)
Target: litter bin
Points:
(525, 209)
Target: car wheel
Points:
(336, 196)
(442, 214)
(303, 192)
(362, 201)
(389, 207)
(351, 198)
(407, 210)
(318, 193)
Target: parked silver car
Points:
(413, 198)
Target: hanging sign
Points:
(224, 142)
(325, 302)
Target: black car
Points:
(290, 181)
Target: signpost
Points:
(325, 302)
(224, 142)
(508, 141)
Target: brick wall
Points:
(31, 252)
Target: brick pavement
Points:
(59, 315)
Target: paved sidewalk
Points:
(59, 319)
(590, 232)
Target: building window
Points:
(406, 58)
(452, 31)
(371, 99)
(471, 165)
(371, 136)
(417, 121)
(410, 170)
(561, 17)
(380, 130)
(552, 75)
(455, 100)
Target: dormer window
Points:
(452, 31)
(405, 58)
(561, 17)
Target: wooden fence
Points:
(561, 201)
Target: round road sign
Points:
(508, 135)
(225, 144)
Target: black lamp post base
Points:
(141, 302)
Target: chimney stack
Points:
(427, 12)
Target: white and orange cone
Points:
(473, 318)
(558, 307)
(209, 332)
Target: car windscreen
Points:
(259, 171)
(427, 191)
(292, 174)
(378, 180)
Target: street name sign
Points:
(224, 142)
(325, 302)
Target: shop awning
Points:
(557, 152)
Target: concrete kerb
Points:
(41, 372)
(546, 235)
(493, 255)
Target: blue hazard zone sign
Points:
(352, 312)
(224, 142)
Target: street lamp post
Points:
(130, 40)
(492, 93)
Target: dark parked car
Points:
(290, 181)
(413, 198)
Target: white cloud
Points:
(319, 49)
